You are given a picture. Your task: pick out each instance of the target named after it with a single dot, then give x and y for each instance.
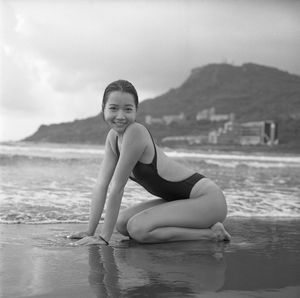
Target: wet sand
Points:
(262, 260)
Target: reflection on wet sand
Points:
(262, 260)
(133, 270)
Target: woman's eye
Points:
(128, 110)
(112, 108)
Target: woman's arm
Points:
(133, 146)
(100, 190)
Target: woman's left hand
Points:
(88, 240)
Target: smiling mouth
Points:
(120, 123)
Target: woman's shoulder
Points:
(136, 128)
(136, 134)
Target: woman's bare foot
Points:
(219, 232)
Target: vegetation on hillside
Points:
(252, 92)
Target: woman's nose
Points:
(120, 114)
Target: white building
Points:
(210, 114)
(174, 118)
(166, 119)
(248, 133)
(151, 120)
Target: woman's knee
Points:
(221, 205)
(216, 198)
(121, 224)
(137, 230)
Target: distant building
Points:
(210, 115)
(166, 119)
(252, 133)
(205, 114)
(174, 118)
(222, 117)
(151, 120)
(249, 133)
(261, 132)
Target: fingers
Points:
(89, 240)
(74, 237)
(85, 241)
(77, 235)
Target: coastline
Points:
(255, 149)
(262, 260)
(218, 148)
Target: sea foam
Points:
(53, 183)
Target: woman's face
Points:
(120, 110)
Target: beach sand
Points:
(262, 260)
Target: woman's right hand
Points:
(78, 235)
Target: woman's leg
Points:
(196, 218)
(126, 214)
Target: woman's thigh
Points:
(129, 212)
(199, 213)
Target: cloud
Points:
(58, 56)
(155, 44)
(84, 46)
(16, 80)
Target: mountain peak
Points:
(252, 92)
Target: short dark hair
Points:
(122, 86)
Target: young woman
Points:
(188, 206)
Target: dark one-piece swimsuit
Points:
(147, 176)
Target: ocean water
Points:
(52, 183)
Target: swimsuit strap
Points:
(154, 161)
(117, 147)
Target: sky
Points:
(57, 56)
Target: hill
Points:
(252, 92)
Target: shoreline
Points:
(270, 219)
(243, 149)
(258, 149)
